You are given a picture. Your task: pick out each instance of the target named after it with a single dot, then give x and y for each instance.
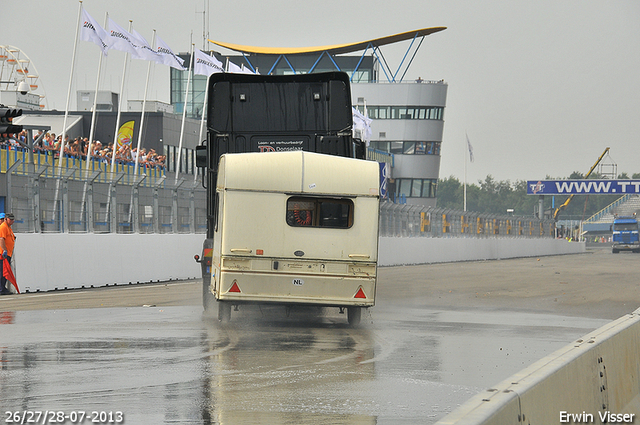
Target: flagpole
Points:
(95, 103)
(184, 112)
(66, 113)
(115, 133)
(204, 113)
(204, 109)
(66, 109)
(93, 126)
(144, 104)
(465, 181)
(465, 177)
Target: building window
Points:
(404, 187)
(416, 188)
(396, 147)
(408, 148)
(178, 85)
(403, 112)
(187, 160)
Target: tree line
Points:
(492, 196)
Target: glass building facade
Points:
(408, 117)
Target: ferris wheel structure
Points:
(17, 68)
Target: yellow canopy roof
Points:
(332, 49)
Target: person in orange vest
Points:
(7, 242)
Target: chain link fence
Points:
(73, 200)
(45, 199)
(402, 220)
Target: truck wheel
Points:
(353, 315)
(224, 311)
(615, 251)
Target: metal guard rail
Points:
(402, 220)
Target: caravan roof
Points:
(299, 172)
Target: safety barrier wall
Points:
(50, 261)
(595, 379)
(404, 251)
(46, 262)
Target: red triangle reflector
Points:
(360, 294)
(234, 287)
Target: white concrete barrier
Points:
(595, 379)
(45, 262)
(403, 251)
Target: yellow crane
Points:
(566, 203)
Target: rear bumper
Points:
(284, 288)
(625, 246)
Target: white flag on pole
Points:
(234, 68)
(362, 124)
(120, 39)
(142, 49)
(470, 149)
(167, 56)
(91, 31)
(205, 64)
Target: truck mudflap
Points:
(205, 264)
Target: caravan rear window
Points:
(319, 212)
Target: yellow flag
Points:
(125, 134)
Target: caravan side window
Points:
(319, 212)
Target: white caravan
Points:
(295, 228)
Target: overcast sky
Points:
(541, 88)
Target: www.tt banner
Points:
(582, 187)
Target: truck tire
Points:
(354, 314)
(224, 311)
(615, 251)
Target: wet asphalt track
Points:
(437, 335)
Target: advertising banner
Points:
(582, 187)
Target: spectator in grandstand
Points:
(161, 160)
(95, 150)
(72, 149)
(152, 158)
(123, 154)
(143, 156)
(78, 147)
(10, 141)
(56, 145)
(84, 145)
(38, 142)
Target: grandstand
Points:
(601, 221)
